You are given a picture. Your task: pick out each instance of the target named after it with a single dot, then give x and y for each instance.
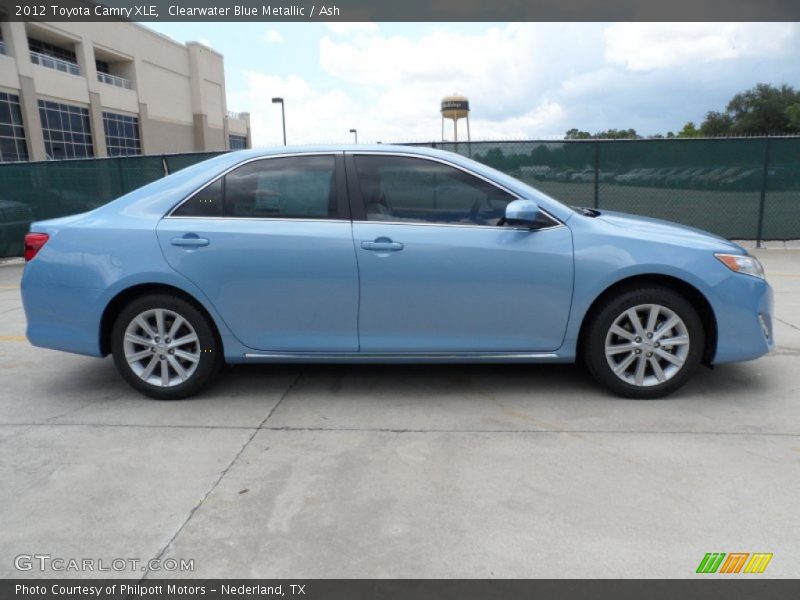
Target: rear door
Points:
(270, 244)
(439, 274)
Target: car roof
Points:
(388, 148)
(157, 198)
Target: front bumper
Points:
(743, 306)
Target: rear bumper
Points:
(62, 318)
(744, 309)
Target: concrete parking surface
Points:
(406, 471)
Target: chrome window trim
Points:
(289, 219)
(292, 220)
(354, 153)
(462, 225)
(170, 214)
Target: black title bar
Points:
(733, 588)
(401, 10)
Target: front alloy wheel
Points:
(647, 345)
(644, 343)
(165, 347)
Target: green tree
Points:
(689, 130)
(716, 124)
(575, 134)
(611, 134)
(617, 134)
(762, 110)
(793, 114)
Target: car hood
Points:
(657, 230)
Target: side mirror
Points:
(522, 213)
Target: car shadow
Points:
(93, 379)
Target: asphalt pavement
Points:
(399, 471)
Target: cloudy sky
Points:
(524, 80)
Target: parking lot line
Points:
(13, 338)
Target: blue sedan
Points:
(383, 254)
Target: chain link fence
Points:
(740, 188)
(44, 190)
(737, 188)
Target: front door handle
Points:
(191, 240)
(382, 244)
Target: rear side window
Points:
(296, 187)
(205, 203)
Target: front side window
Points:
(398, 188)
(296, 187)
(66, 129)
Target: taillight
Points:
(33, 243)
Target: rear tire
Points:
(644, 342)
(164, 347)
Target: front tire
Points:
(644, 342)
(164, 347)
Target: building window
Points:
(12, 132)
(102, 66)
(67, 133)
(122, 134)
(237, 142)
(48, 55)
(51, 50)
(2, 43)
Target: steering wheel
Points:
(476, 208)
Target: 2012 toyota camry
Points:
(383, 254)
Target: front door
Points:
(438, 274)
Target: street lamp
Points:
(355, 133)
(283, 116)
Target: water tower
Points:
(455, 107)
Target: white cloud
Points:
(501, 70)
(273, 37)
(524, 80)
(345, 28)
(312, 115)
(390, 88)
(317, 116)
(646, 46)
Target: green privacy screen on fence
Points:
(44, 190)
(736, 188)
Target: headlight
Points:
(748, 265)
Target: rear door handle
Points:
(382, 245)
(191, 240)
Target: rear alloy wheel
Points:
(644, 343)
(164, 347)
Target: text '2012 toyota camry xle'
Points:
(383, 254)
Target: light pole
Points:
(283, 116)
(355, 133)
